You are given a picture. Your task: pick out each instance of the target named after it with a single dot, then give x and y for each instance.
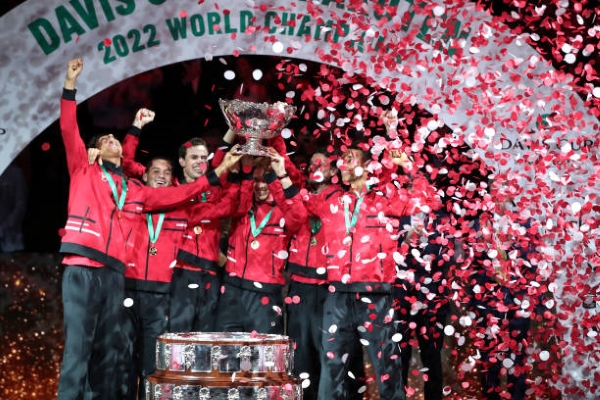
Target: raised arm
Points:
(169, 197)
(74, 68)
(296, 175)
(222, 207)
(69, 129)
(224, 147)
(286, 195)
(131, 167)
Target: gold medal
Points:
(197, 229)
(254, 244)
(152, 251)
(313, 241)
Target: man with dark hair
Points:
(104, 207)
(270, 212)
(148, 275)
(193, 159)
(197, 275)
(308, 287)
(362, 227)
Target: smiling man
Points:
(159, 173)
(362, 228)
(155, 283)
(193, 158)
(197, 276)
(104, 207)
(148, 279)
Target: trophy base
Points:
(253, 148)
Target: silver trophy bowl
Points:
(255, 122)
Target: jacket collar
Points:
(112, 167)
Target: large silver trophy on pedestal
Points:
(255, 122)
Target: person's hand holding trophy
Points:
(256, 122)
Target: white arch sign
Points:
(393, 42)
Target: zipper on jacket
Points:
(272, 264)
(197, 242)
(147, 261)
(381, 261)
(246, 258)
(350, 254)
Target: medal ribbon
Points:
(120, 201)
(154, 234)
(256, 231)
(315, 225)
(355, 213)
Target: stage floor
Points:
(31, 328)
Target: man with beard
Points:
(148, 274)
(147, 282)
(103, 211)
(148, 277)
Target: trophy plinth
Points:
(255, 122)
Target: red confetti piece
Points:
(45, 146)
(107, 42)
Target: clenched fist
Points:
(142, 117)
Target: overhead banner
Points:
(455, 60)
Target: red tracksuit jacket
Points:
(200, 245)
(363, 259)
(147, 272)
(308, 250)
(264, 263)
(95, 228)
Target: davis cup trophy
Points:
(255, 122)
